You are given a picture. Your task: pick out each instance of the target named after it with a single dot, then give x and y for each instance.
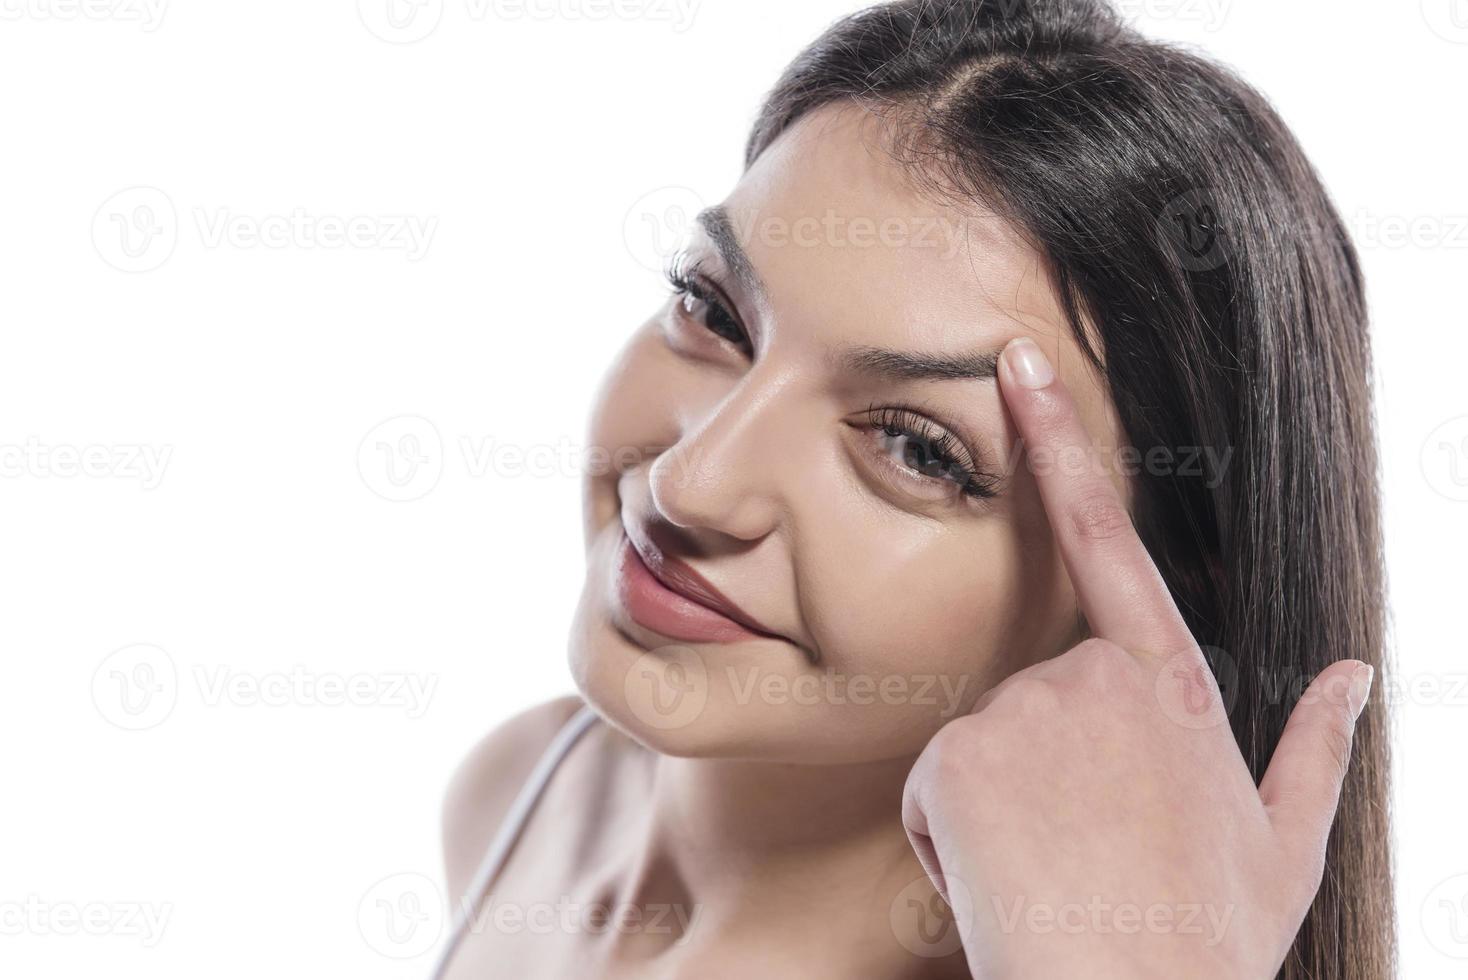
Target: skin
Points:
(760, 787)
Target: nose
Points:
(724, 474)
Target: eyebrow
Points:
(915, 366)
(884, 361)
(716, 224)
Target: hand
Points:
(1081, 823)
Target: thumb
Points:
(1303, 783)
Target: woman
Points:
(850, 523)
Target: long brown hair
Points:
(1181, 219)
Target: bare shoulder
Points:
(487, 781)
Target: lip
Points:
(668, 597)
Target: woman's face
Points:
(812, 426)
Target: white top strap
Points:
(510, 829)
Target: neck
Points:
(746, 841)
(722, 814)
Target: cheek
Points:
(907, 601)
(633, 408)
(916, 602)
(633, 419)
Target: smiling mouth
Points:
(665, 595)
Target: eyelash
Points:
(690, 284)
(944, 448)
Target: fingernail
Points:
(1029, 364)
(1360, 688)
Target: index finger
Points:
(1120, 590)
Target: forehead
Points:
(852, 251)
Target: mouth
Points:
(663, 594)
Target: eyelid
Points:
(690, 332)
(923, 424)
(978, 457)
(702, 281)
(694, 269)
(928, 429)
(906, 488)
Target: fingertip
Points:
(1345, 684)
(1360, 689)
(1027, 363)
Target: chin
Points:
(696, 701)
(672, 699)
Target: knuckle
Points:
(1030, 697)
(1098, 652)
(1099, 516)
(958, 750)
(1103, 662)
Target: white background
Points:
(264, 563)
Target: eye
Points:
(927, 451)
(700, 302)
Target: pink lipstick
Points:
(668, 597)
